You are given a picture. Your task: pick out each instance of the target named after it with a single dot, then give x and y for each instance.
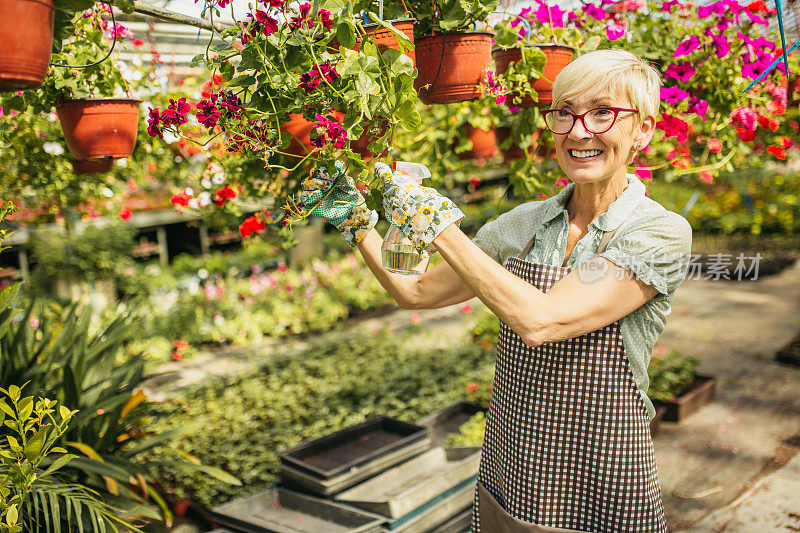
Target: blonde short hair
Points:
(615, 71)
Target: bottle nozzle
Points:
(417, 171)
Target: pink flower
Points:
(415, 319)
(745, 117)
(561, 182)
(302, 16)
(687, 47)
(207, 113)
(125, 213)
(334, 130)
(707, 177)
(644, 174)
(154, 127)
(673, 95)
(682, 72)
(721, 44)
(696, 105)
(594, 11)
(667, 6)
(673, 126)
(466, 308)
(615, 29)
(282, 267)
(325, 19)
(556, 15)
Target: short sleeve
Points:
(488, 239)
(656, 249)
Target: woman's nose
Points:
(578, 131)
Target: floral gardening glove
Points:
(420, 212)
(336, 199)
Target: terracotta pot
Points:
(26, 38)
(557, 57)
(484, 143)
(793, 92)
(95, 129)
(514, 151)
(91, 166)
(360, 145)
(386, 39)
(452, 65)
(300, 128)
(182, 507)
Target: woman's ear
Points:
(644, 132)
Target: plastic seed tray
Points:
(460, 523)
(405, 487)
(353, 447)
(437, 511)
(279, 510)
(441, 423)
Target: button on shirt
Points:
(653, 243)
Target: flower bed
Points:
(246, 420)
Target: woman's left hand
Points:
(420, 212)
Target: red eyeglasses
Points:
(597, 120)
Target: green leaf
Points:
(402, 39)
(34, 446)
(245, 80)
(409, 115)
(346, 35)
(196, 60)
(227, 70)
(6, 409)
(60, 462)
(25, 408)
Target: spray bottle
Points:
(397, 251)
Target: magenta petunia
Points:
(699, 106)
(682, 72)
(687, 47)
(673, 95)
(721, 45)
(556, 15)
(667, 6)
(615, 29)
(207, 113)
(594, 11)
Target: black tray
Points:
(352, 447)
(279, 510)
(441, 423)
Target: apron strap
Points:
(601, 247)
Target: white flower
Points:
(194, 203)
(206, 183)
(218, 178)
(205, 198)
(188, 191)
(122, 163)
(53, 148)
(108, 193)
(203, 273)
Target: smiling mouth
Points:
(583, 155)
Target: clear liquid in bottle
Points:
(399, 255)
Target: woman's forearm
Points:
(401, 288)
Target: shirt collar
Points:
(616, 213)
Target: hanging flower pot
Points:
(92, 166)
(452, 65)
(360, 145)
(300, 128)
(557, 57)
(514, 151)
(26, 38)
(484, 143)
(386, 39)
(95, 129)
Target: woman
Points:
(567, 445)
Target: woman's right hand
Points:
(334, 197)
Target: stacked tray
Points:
(441, 423)
(438, 511)
(342, 459)
(458, 524)
(408, 486)
(279, 510)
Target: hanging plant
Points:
(294, 97)
(532, 48)
(29, 30)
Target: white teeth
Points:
(585, 153)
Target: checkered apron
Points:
(567, 444)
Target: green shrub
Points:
(470, 433)
(671, 375)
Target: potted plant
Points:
(479, 136)
(29, 30)
(452, 55)
(675, 384)
(532, 48)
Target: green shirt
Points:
(653, 243)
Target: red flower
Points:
(137, 43)
(768, 123)
(673, 127)
(250, 225)
(303, 16)
(154, 127)
(223, 195)
(176, 356)
(180, 199)
(207, 113)
(180, 345)
(472, 387)
(361, 186)
(466, 308)
(786, 142)
(745, 135)
(758, 7)
(125, 213)
(777, 151)
(325, 19)
(475, 181)
(714, 145)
